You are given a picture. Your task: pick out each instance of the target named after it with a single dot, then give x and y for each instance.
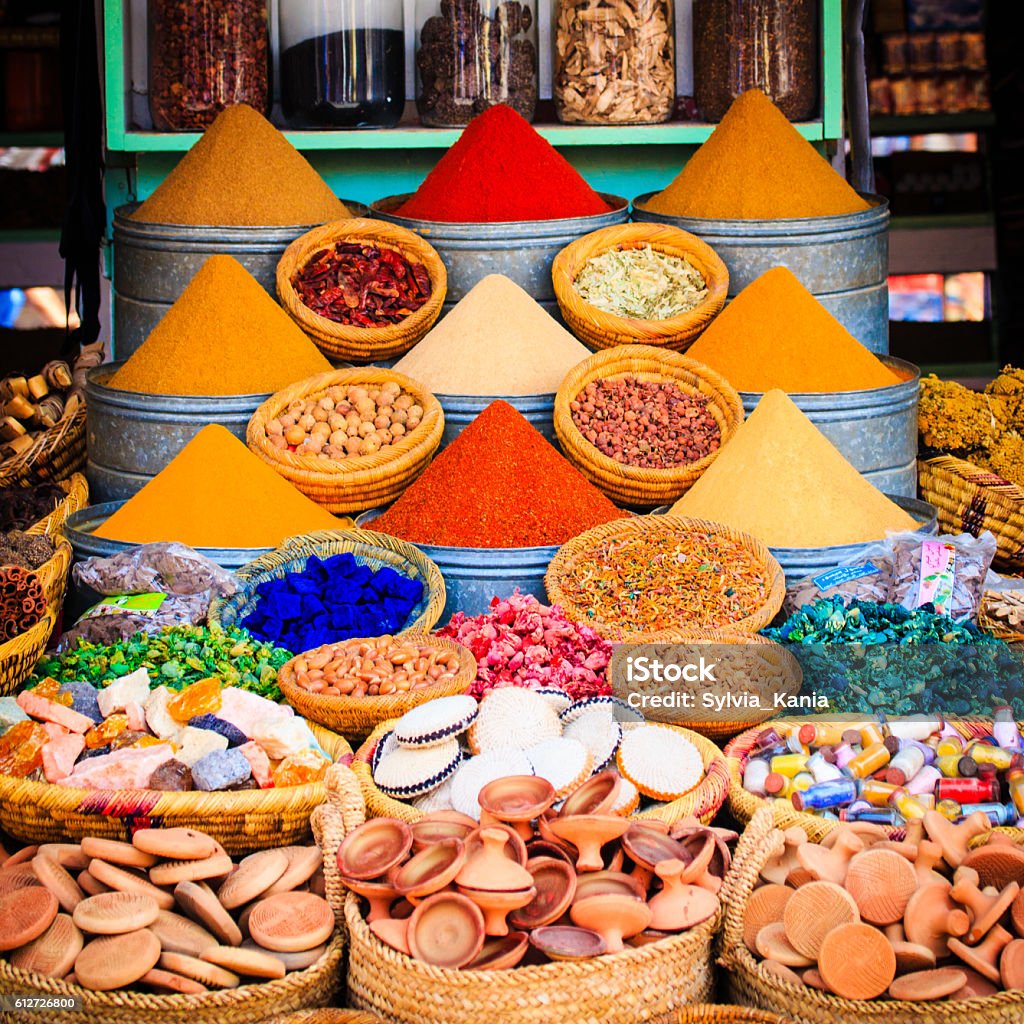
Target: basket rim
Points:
(47, 443)
(34, 635)
(76, 496)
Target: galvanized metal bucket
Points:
(800, 562)
(132, 435)
(80, 526)
(521, 250)
(153, 263)
(473, 576)
(461, 410)
(875, 430)
(843, 261)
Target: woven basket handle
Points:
(342, 811)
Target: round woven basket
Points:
(634, 485)
(362, 344)
(715, 1014)
(368, 548)
(53, 573)
(598, 329)
(703, 801)
(76, 487)
(326, 1016)
(649, 983)
(56, 454)
(996, 627)
(242, 821)
(751, 985)
(18, 657)
(356, 717)
(364, 481)
(582, 549)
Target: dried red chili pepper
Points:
(362, 285)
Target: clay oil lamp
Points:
(518, 799)
(430, 870)
(513, 850)
(564, 942)
(488, 867)
(984, 957)
(599, 883)
(647, 937)
(440, 825)
(614, 917)
(680, 905)
(555, 884)
(379, 894)
(501, 954)
(446, 930)
(596, 796)
(985, 909)
(955, 839)
(370, 850)
(393, 932)
(692, 840)
(588, 833)
(544, 848)
(646, 846)
(496, 906)
(931, 918)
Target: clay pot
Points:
(501, 954)
(596, 883)
(515, 848)
(588, 833)
(647, 937)
(954, 839)
(680, 904)
(564, 942)
(518, 799)
(430, 870)
(985, 909)
(555, 885)
(692, 839)
(393, 933)
(374, 847)
(830, 865)
(596, 796)
(545, 848)
(447, 930)
(697, 872)
(932, 917)
(778, 866)
(379, 894)
(496, 906)
(426, 832)
(613, 916)
(984, 958)
(488, 868)
(646, 846)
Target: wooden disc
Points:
(1017, 913)
(59, 882)
(291, 922)
(113, 961)
(54, 952)
(175, 843)
(798, 877)
(303, 863)
(997, 865)
(90, 886)
(168, 981)
(924, 986)
(911, 957)
(781, 971)
(21, 876)
(856, 961)
(198, 902)
(248, 962)
(881, 882)
(291, 961)
(771, 944)
(1011, 964)
(67, 855)
(765, 906)
(114, 852)
(255, 875)
(206, 974)
(128, 880)
(23, 856)
(114, 913)
(25, 914)
(178, 934)
(813, 911)
(977, 986)
(812, 979)
(172, 872)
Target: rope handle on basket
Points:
(341, 812)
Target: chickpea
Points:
(306, 422)
(295, 435)
(274, 428)
(320, 415)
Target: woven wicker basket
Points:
(362, 344)
(326, 1016)
(703, 802)
(247, 1004)
(715, 1014)
(751, 985)
(995, 627)
(242, 821)
(581, 548)
(57, 454)
(18, 657)
(372, 549)
(362, 482)
(634, 485)
(649, 983)
(356, 717)
(77, 490)
(598, 329)
(53, 573)
(972, 500)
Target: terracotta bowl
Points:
(615, 917)
(426, 832)
(430, 870)
(515, 848)
(379, 894)
(545, 848)
(588, 833)
(555, 882)
(596, 796)
(646, 846)
(599, 883)
(501, 954)
(446, 930)
(564, 942)
(374, 847)
(517, 797)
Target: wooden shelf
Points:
(925, 124)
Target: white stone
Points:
(197, 743)
(280, 737)
(158, 718)
(121, 692)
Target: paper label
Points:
(938, 572)
(119, 604)
(844, 574)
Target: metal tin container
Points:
(461, 410)
(875, 430)
(521, 250)
(472, 576)
(133, 435)
(843, 261)
(153, 264)
(800, 562)
(79, 527)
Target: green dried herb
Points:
(641, 284)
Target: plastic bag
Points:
(867, 579)
(156, 568)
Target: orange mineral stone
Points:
(200, 698)
(298, 769)
(50, 689)
(21, 748)
(105, 732)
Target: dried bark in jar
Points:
(615, 61)
(204, 56)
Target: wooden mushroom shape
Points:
(955, 839)
(932, 918)
(929, 858)
(826, 865)
(909, 957)
(778, 866)
(997, 863)
(984, 957)
(985, 909)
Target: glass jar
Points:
(614, 61)
(342, 63)
(771, 45)
(474, 54)
(205, 55)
